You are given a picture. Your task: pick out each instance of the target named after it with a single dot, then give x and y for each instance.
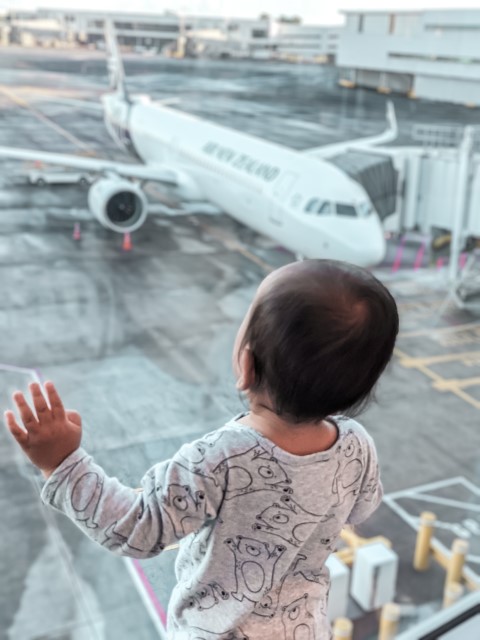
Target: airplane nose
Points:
(374, 247)
(378, 248)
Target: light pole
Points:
(463, 177)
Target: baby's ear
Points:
(246, 365)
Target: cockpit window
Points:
(325, 207)
(312, 205)
(365, 209)
(318, 206)
(346, 210)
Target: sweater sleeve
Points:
(371, 491)
(177, 497)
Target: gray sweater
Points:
(255, 525)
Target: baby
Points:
(258, 505)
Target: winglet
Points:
(392, 119)
(361, 144)
(115, 64)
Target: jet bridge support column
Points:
(465, 154)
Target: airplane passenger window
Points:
(346, 210)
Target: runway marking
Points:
(440, 330)
(464, 357)
(439, 383)
(232, 245)
(456, 383)
(447, 502)
(424, 306)
(46, 120)
(467, 528)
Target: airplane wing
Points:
(330, 150)
(156, 173)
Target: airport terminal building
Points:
(425, 54)
(209, 36)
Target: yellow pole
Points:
(389, 622)
(453, 592)
(421, 559)
(343, 629)
(457, 560)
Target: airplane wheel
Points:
(83, 182)
(40, 182)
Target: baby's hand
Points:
(51, 435)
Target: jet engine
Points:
(119, 205)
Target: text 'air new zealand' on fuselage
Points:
(297, 198)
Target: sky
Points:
(311, 11)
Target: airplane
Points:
(297, 198)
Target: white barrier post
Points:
(339, 582)
(374, 576)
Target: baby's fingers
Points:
(39, 402)
(27, 415)
(17, 432)
(56, 403)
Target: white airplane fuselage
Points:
(262, 184)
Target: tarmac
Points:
(140, 341)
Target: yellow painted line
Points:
(430, 331)
(456, 383)
(405, 358)
(411, 362)
(401, 354)
(232, 245)
(43, 118)
(438, 382)
(467, 398)
(430, 374)
(422, 305)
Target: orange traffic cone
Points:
(127, 242)
(77, 234)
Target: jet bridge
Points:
(438, 182)
(376, 173)
(434, 185)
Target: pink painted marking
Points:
(440, 262)
(419, 257)
(77, 234)
(151, 594)
(399, 255)
(462, 261)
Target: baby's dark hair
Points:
(320, 338)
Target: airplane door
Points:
(281, 191)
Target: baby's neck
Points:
(300, 439)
